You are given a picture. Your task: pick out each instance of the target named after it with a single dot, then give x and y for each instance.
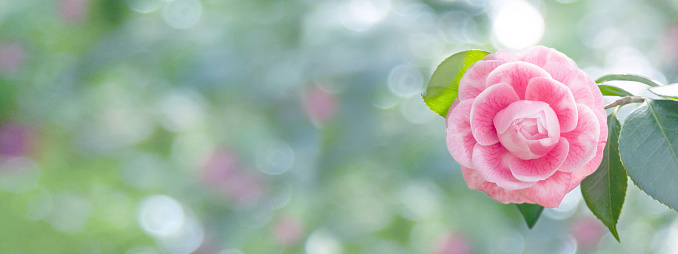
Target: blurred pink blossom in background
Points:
(453, 244)
(670, 43)
(12, 57)
(73, 11)
(15, 140)
(320, 105)
(587, 231)
(287, 231)
(223, 173)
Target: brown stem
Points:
(625, 100)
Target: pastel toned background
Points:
(253, 126)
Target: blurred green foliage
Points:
(226, 126)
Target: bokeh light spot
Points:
(160, 215)
(275, 159)
(70, 212)
(414, 110)
(144, 6)
(361, 15)
(181, 109)
(323, 242)
(507, 242)
(567, 207)
(182, 14)
(19, 174)
(518, 24)
(405, 81)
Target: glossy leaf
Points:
(627, 77)
(648, 146)
(604, 190)
(443, 87)
(530, 212)
(667, 91)
(613, 91)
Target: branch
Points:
(625, 100)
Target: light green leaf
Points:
(648, 146)
(530, 212)
(443, 87)
(613, 91)
(627, 77)
(604, 190)
(667, 91)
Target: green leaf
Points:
(604, 190)
(627, 77)
(667, 91)
(648, 146)
(530, 212)
(443, 87)
(613, 91)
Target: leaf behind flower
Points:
(613, 91)
(667, 91)
(628, 77)
(443, 87)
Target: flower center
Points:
(532, 128)
(528, 129)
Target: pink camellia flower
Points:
(527, 127)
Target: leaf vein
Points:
(661, 128)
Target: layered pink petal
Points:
(485, 107)
(516, 74)
(589, 168)
(560, 72)
(598, 102)
(516, 110)
(476, 182)
(527, 141)
(541, 56)
(576, 80)
(559, 98)
(601, 115)
(540, 168)
(455, 102)
(491, 162)
(580, 85)
(474, 80)
(460, 141)
(550, 192)
(583, 140)
(504, 55)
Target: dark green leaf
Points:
(648, 146)
(443, 87)
(627, 77)
(604, 190)
(613, 91)
(667, 91)
(530, 212)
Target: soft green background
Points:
(112, 111)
